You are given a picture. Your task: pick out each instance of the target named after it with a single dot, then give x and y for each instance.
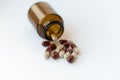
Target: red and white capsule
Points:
(47, 53)
(75, 49)
(45, 43)
(66, 55)
(74, 54)
(62, 52)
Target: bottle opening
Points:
(54, 30)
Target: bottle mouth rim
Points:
(50, 24)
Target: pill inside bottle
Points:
(47, 22)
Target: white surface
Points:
(93, 24)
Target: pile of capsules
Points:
(61, 49)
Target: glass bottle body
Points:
(47, 22)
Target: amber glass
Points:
(47, 22)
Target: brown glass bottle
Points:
(48, 23)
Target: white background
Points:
(94, 25)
